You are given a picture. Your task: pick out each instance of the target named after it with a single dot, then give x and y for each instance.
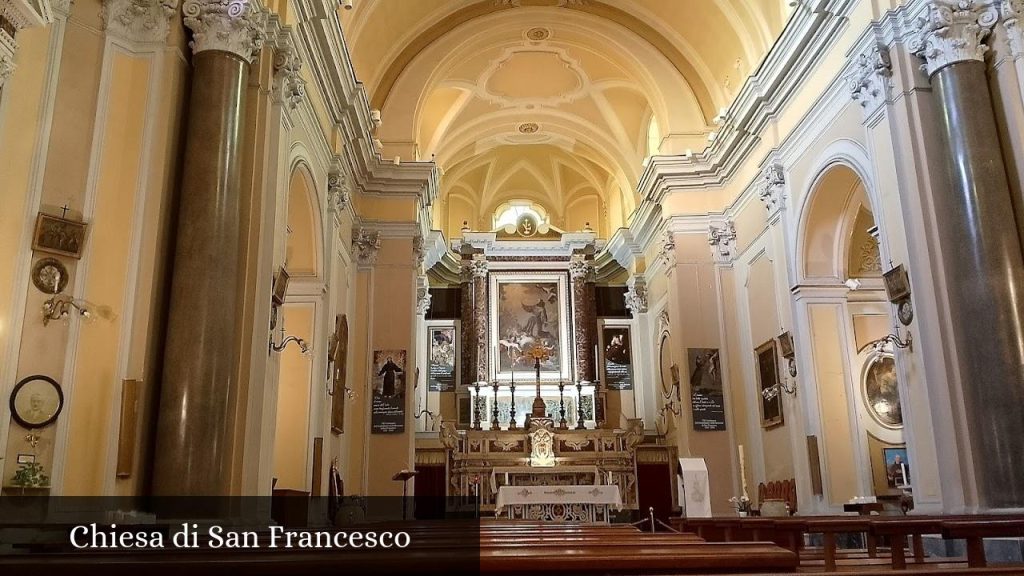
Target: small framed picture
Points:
(786, 344)
(58, 236)
(897, 284)
(26, 458)
(36, 401)
(280, 286)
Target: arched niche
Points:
(302, 253)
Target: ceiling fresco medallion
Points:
(510, 80)
(529, 128)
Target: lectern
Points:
(404, 476)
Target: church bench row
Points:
(789, 532)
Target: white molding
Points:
(9, 358)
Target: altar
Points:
(589, 473)
(585, 504)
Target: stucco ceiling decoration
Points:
(512, 80)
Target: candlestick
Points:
(562, 424)
(494, 410)
(512, 410)
(579, 406)
(476, 407)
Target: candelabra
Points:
(579, 406)
(494, 409)
(562, 424)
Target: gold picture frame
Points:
(60, 236)
(767, 360)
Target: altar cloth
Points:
(568, 495)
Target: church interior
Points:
(637, 286)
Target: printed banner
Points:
(707, 399)
(388, 410)
(618, 365)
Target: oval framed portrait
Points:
(881, 391)
(665, 362)
(36, 401)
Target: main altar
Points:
(545, 473)
(532, 435)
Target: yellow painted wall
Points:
(291, 464)
(833, 403)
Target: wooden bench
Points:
(974, 533)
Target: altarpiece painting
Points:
(527, 310)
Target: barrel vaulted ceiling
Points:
(553, 100)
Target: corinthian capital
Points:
(6, 68)
(773, 188)
(235, 26)
(1012, 11)
(580, 268)
(869, 79)
(953, 31)
(289, 87)
(139, 20)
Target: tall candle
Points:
(595, 362)
(743, 470)
(903, 472)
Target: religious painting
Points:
(388, 385)
(338, 354)
(36, 401)
(280, 286)
(528, 313)
(897, 284)
(618, 358)
(881, 392)
(58, 236)
(665, 363)
(441, 364)
(768, 384)
(897, 467)
(707, 395)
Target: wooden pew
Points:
(975, 532)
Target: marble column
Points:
(979, 245)
(581, 272)
(468, 331)
(200, 378)
(478, 267)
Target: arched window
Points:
(509, 213)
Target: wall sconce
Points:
(771, 392)
(284, 341)
(895, 341)
(60, 307)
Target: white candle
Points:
(903, 472)
(743, 470)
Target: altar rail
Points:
(475, 454)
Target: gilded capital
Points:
(953, 31)
(234, 26)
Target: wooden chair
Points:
(779, 490)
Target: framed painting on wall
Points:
(339, 367)
(528, 309)
(767, 359)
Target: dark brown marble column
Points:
(194, 431)
(981, 255)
